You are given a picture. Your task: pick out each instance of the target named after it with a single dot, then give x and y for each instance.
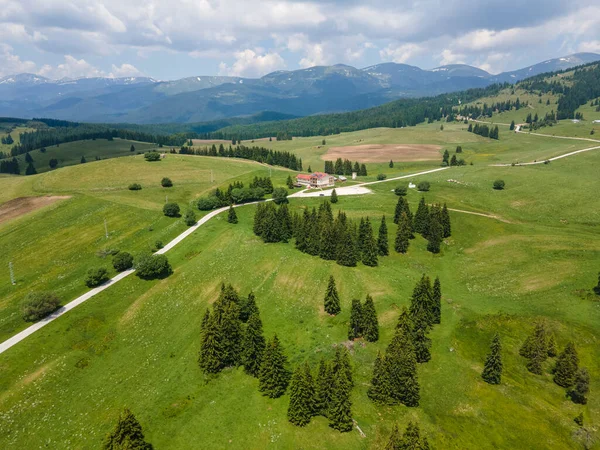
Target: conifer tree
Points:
(421, 343)
(436, 296)
(248, 307)
(422, 303)
(341, 362)
(328, 245)
(395, 439)
(421, 220)
(434, 234)
(356, 320)
(273, 375)
(492, 369)
(380, 391)
(253, 345)
(205, 319)
(231, 215)
(230, 330)
(340, 410)
(284, 223)
(347, 248)
(369, 246)
(127, 434)
(402, 206)
(382, 239)
(334, 197)
(403, 234)
(323, 384)
(581, 387)
(332, 300)
(211, 349)
(552, 350)
(445, 221)
(289, 182)
(566, 368)
(301, 407)
(391, 164)
(370, 324)
(411, 439)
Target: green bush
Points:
(152, 156)
(381, 176)
(149, 267)
(158, 245)
(280, 195)
(166, 182)
(135, 187)
(171, 210)
(122, 261)
(499, 185)
(95, 277)
(208, 203)
(401, 191)
(423, 186)
(38, 305)
(190, 218)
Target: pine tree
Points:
(301, 407)
(421, 343)
(422, 303)
(340, 410)
(581, 387)
(127, 434)
(332, 300)
(402, 206)
(492, 370)
(231, 215)
(434, 234)
(253, 345)
(230, 330)
(334, 197)
(289, 182)
(273, 376)
(421, 220)
(391, 164)
(380, 391)
(355, 327)
(566, 368)
(436, 296)
(82, 160)
(205, 319)
(248, 307)
(382, 239)
(369, 246)
(341, 362)
(211, 349)
(370, 324)
(323, 384)
(403, 234)
(552, 350)
(30, 170)
(445, 157)
(412, 440)
(395, 439)
(328, 245)
(445, 220)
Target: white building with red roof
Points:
(315, 180)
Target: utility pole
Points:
(12, 274)
(105, 228)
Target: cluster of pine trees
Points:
(262, 182)
(395, 378)
(7, 140)
(411, 439)
(326, 394)
(363, 321)
(235, 193)
(10, 166)
(484, 130)
(454, 161)
(539, 346)
(433, 223)
(254, 153)
(317, 233)
(345, 167)
(127, 434)
(474, 111)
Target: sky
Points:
(172, 39)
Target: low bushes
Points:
(149, 267)
(122, 261)
(95, 277)
(499, 185)
(166, 182)
(171, 210)
(38, 305)
(135, 187)
(152, 156)
(423, 186)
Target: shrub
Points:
(158, 245)
(190, 218)
(38, 305)
(171, 210)
(53, 163)
(423, 186)
(152, 156)
(499, 185)
(208, 203)
(122, 261)
(135, 187)
(166, 182)
(401, 190)
(280, 195)
(244, 195)
(381, 176)
(148, 266)
(95, 277)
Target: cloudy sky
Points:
(169, 39)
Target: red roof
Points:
(302, 176)
(320, 175)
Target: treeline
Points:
(345, 167)
(317, 233)
(254, 153)
(474, 111)
(10, 166)
(236, 193)
(585, 87)
(484, 130)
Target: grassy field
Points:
(135, 345)
(7, 128)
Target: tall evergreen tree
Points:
(535, 349)
(355, 327)
(421, 342)
(380, 391)
(30, 169)
(211, 349)
(382, 239)
(341, 362)
(581, 387)
(434, 234)
(412, 440)
(402, 206)
(567, 365)
(369, 246)
(552, 350)
(247, 307)
(445, 220)
(422, 303)
(273, 376)
(332, 300)
(253, 345)
(301, 407)
(231, 215)
(421, 220)
(492, 369)
(370, 324)
(323, 384)
(395, 439)
(334, 197)
(347, 248)
(127, 434)
(340, 410)
(230, 330)
(403, 234)
(436, 296)
(205, 319)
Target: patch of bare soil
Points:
(384, 152)
(18, 206)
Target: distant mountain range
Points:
(321, 89)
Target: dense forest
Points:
(254, 153)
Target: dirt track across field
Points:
(384, 152)
(23, 205)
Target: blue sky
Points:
(178, 38)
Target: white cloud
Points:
(449, 57)
(589, 46)
(71, 68)
(11, 63)
(125, 70)
(400, 53)
(249, 63)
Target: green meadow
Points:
(136, 344)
